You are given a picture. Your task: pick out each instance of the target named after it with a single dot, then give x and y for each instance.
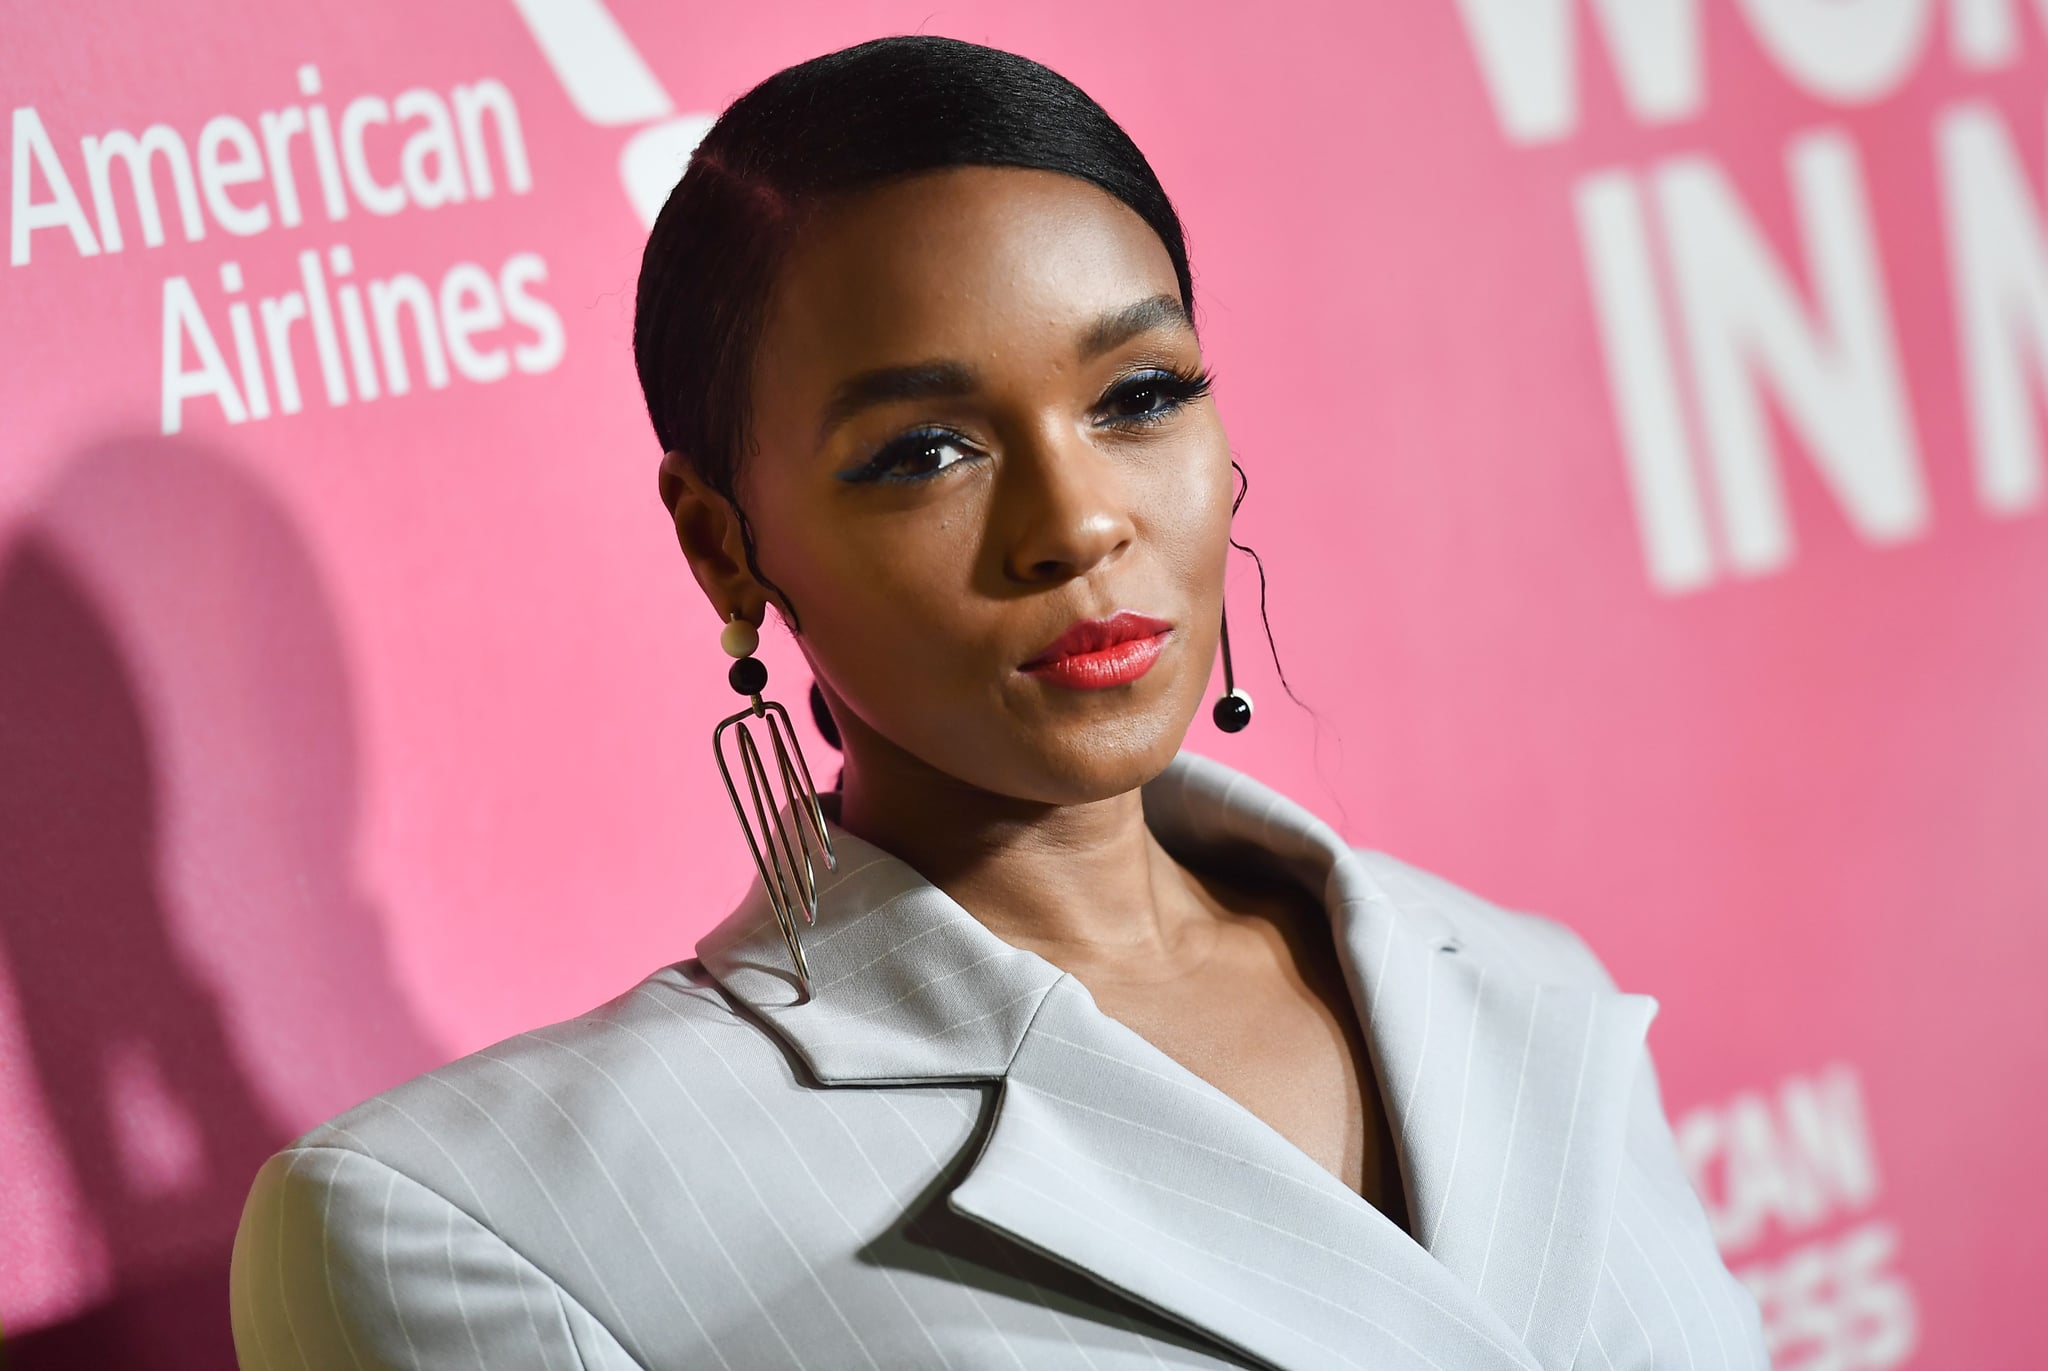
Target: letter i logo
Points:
(609, 84)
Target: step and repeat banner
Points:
(1643, 405)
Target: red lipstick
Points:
(1094, 654)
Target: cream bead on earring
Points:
(786, 871)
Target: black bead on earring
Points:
(1234, 711)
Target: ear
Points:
(708, 530)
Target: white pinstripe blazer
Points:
(952, 1158)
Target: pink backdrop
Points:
(1642, 404)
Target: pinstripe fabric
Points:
(951, 1157)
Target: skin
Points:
(919, 600)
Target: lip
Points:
(1097, 653)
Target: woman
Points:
(1098, 1053)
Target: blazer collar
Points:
(911, 987)
(1506, 1076)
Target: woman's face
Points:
(972, 428)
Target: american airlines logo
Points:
(258, 341)
(261, 335)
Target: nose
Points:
(1066, 506)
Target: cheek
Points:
(1189, 503)
(885, 599)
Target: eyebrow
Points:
(950, 380)
(1140, 316)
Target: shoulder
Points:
(554, 1088)
(493, 1165)
(1539, 945)
(564, 1179)
(351, 1236)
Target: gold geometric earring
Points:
(749, 676)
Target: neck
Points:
(1085, 885)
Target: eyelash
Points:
(1177, 388)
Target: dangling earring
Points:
(1234, 710)
(749, 676)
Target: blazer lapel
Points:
(1109, 1155)
(1506, 1093)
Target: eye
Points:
(922, 451)
(1151, 396)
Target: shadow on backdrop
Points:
(182, 938)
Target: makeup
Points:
(1094, 654)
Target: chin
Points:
(1103, 757)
